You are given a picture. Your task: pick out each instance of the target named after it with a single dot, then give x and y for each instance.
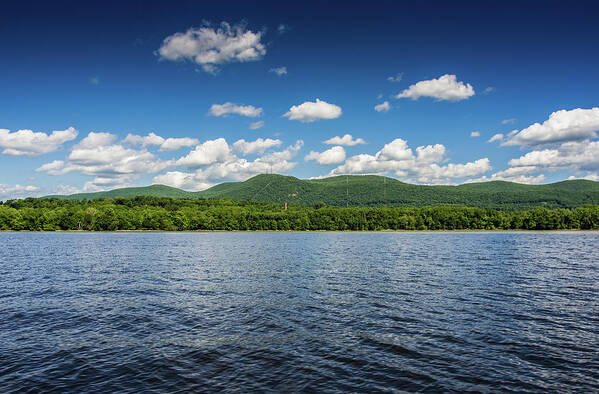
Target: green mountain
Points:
(154, 190)
(371, 190)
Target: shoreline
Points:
(307, 231)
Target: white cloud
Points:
(210, 152)
(572, 155)
(257, 146)
(231, 108)
(396, 78)
(285, 154)
(64, 190)
(210, 47)
(346, 140)
(514, 174)
(29, 143)
(496, 137)
(475, 134)
(509, 121)
(489, 89)
(382, 107)
(438, 174)
(150, 139)
(423, 167)
(430, 153)
(526, 179)
(52, 167)
(181, 180)
(170, 144)
(396, 150)
(93, 140)
(333, 155)
(112, 161)
(446, 87)
(311, 111)
(167, 144)
(17, 191)
(563, 125)
(280, 71)
(256, 125)
(111, 164)
(233, 168)
(589, 177)
(106, 183)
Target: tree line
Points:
(170, 214)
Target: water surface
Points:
(323, 312)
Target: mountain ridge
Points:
(374, 190)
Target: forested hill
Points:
(378, 191)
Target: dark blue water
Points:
(322, 312)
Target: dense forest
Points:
(178, 214)
(378, 191)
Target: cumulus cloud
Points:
(256, 125)
(589, 177)
(165, 144)
(17, 191)
(111, 164)
(475, 134)
(574, 125)
(210, 152)
(106, 183)
(446, 87)
(233, 168)
(64, 190)
(280, 71)
(311, 111)
(257, 146)
(382, 107)
(423, 166)
(211, 47)
(182, 180)
(496, 137)
(430, 153)
(333, 155)
(170, 144)
(30, 143)
(150, 139)
(396, 150)
(437, 174)
(510, 177)
(346, 140)
(232, 108)
(573, 155)
(52, 167)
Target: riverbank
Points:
(167, 214)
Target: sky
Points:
(100, 95)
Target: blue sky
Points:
(202, 74)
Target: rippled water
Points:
(363, 312)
